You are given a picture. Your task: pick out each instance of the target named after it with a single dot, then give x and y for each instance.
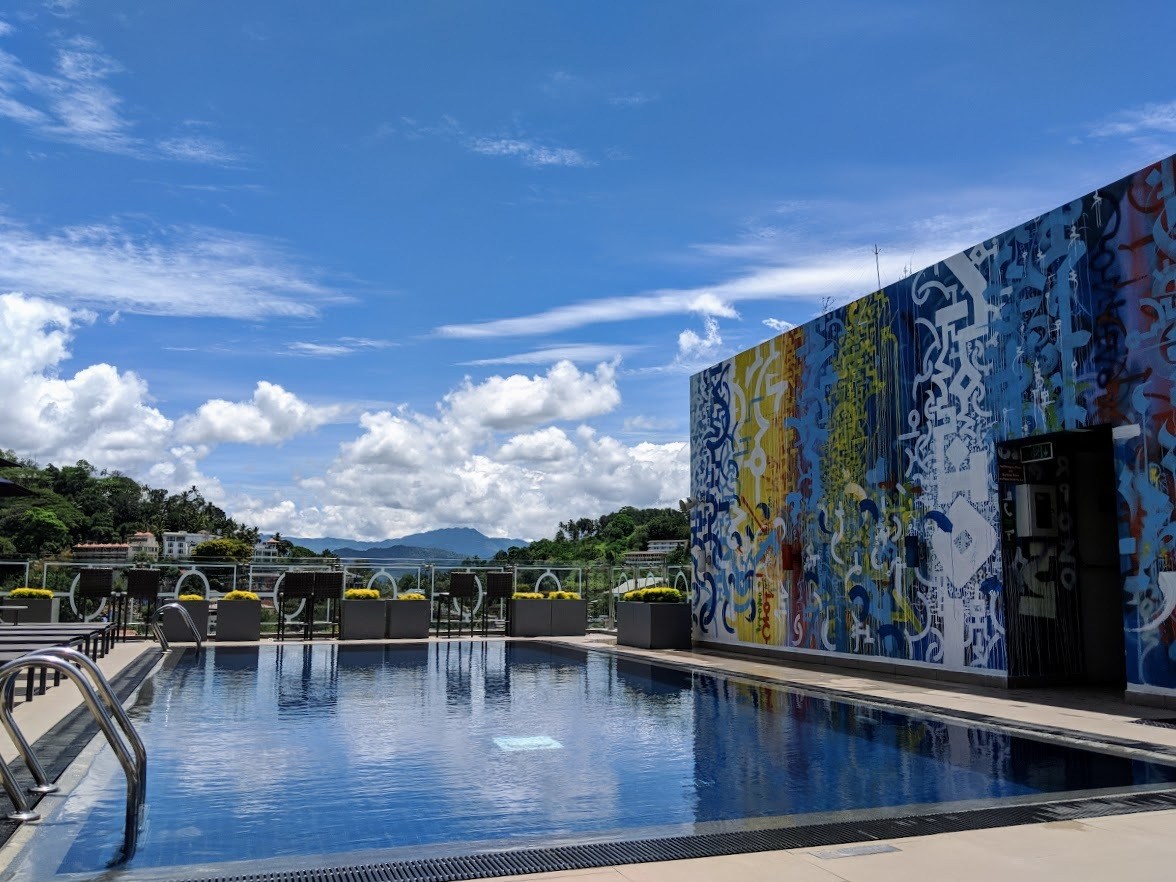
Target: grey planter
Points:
(363, 619)
(176, 629)
(569, 618)
(37, 609)
(530, 617)
(408, 619)
(238, 620)
(654, 625)
(547, 618)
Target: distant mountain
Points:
(392, 552)
(462, 541)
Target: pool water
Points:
(306, 750)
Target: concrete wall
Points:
(845, 470)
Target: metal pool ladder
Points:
(157, 625)
(106, 710)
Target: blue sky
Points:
(364, 269)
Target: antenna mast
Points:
(877, 266)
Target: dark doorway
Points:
(1060, 554)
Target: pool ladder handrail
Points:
(157, 625)
(133, 759)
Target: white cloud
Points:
(609, 309)
(107, 416)
(396, 441)
(516, 146)
(575, 352)
(408, 471)
(544, 445)
(342, 346)
(72, 105)
(61, 8)
(99, 414)
(179, 468)
(839, 274)
(642, 424)
(177, 271)
(517, 402)
(203, 150)
(561, 83)
(75, 104)
(692, 347)
(779, 325)
(271, 417)
(530, 152)
(524, 497)
(1141, 120)
(632, 99)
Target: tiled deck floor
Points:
(1137, 846)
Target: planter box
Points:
(408, 619)
(363, 619)
(530, 618)
(177, 631)
(568, 617)
(548, 618)
(37, 609)
(654, 625)
(238, 620)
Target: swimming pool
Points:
(290, 755)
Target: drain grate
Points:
(1163, 722)
(582, 857)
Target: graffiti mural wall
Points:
(845, 471)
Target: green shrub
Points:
(527, 595)
(563, 595)
(411, 595)
(361, 594)
(31, 593)
(654, 594)
(241, 595)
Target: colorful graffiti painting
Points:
(845, 471)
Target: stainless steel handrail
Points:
(157, 625)
(104, 691)
(43, 784)
(66, 661)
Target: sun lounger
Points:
(97, 637)
(12, 648)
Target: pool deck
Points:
(1140, 846)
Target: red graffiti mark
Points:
(1137, 280)
(766, 610)
(1147, 190)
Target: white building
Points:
(105, 551)
(270, 549)
(181, 545)
(665, 546)
(143, 544)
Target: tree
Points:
(620, 526)
(224, 549)
(40, 532)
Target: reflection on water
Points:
(315, 749)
